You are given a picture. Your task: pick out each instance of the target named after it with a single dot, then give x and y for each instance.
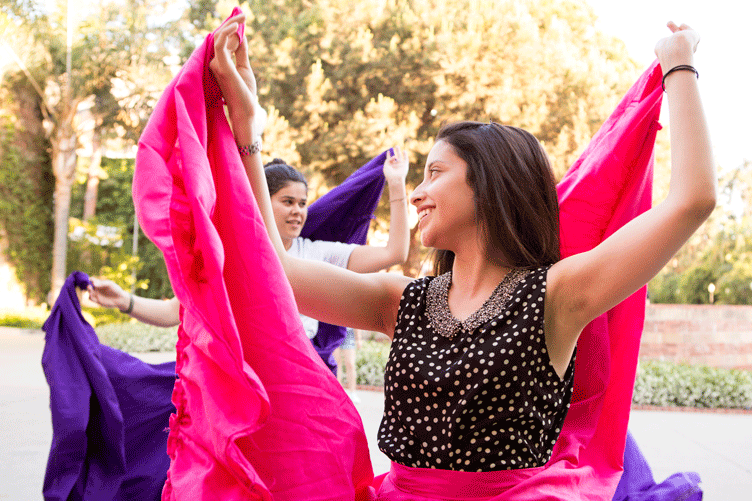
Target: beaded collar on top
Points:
(446, 324)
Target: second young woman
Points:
(288, 192)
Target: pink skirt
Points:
(425, 484)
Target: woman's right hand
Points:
(108, 294)
(396, 166)
(237, 81)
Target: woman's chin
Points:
(426, 240)
(292, 233)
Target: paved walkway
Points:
(717, 446)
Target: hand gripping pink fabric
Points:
(259, 416)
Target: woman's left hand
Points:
(677, 48)
(237, 81)
(396, 165)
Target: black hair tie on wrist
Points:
(130, 306)
(681, 67)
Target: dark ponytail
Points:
(279, 174)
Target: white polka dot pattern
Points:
(483, 400)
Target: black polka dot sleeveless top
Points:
(475, 395)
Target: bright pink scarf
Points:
(259, 416)
(607, 187)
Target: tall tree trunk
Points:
(63, 166)
(92, 184)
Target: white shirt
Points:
(335, 253)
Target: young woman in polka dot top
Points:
(480, 372)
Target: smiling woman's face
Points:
(290, 211)
(444, 200)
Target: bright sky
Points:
(722, 58)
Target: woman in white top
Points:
(288, 190)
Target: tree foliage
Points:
(109, 74)
(26, 184)
(342, 81)
(720, 253)
(350, 79)
(107, 238)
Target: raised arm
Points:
(584, 286)
(369, 258)
(322, 291)
(150, 311)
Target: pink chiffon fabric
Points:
(259, 415)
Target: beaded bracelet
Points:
(249, 149)
(678, 68)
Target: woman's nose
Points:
(417, 196)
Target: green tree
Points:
(93, 54)
(107, 237)
(26, 185)
(351, 79)
(719, 253)
(26, 180)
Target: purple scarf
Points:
(344, 215)
(109, 412)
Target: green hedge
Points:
(99, 317)
(662, 384)
(29, 318)
(136, 337)
(370, 361)
(667, 384)
(33, 318)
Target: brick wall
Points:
(718, 336)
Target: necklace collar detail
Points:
(446, 324)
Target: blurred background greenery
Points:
(341, 80)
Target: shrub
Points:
(26, 187)
(734, 287)
(20, 321)
(98, 316)
(693, 284)
(675, 385)
(34, 318)
(663, 288)
(137, 337)
(370, 361)
(28, 318)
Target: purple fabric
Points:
(637, 482)
(344, 215)
(109, 412)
